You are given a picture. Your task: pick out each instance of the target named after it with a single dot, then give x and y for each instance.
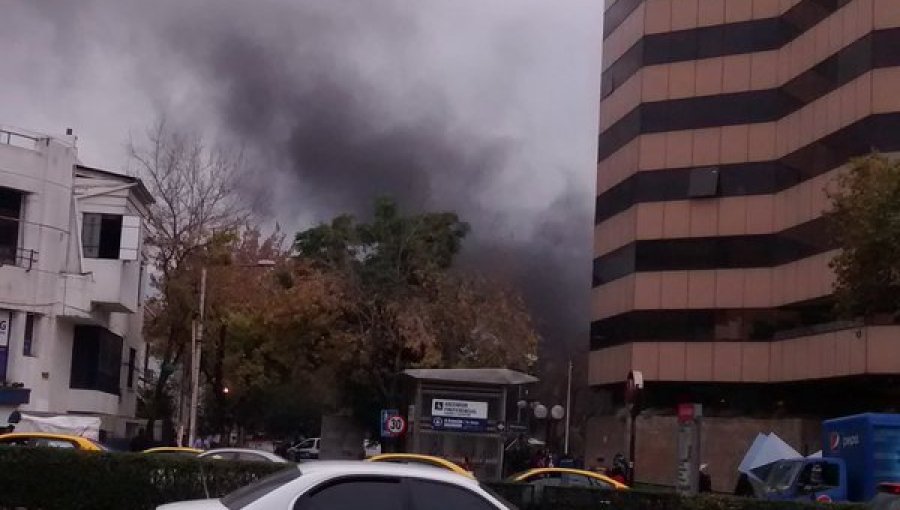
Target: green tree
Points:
(866, 222)
(264, 329)
(402, 306)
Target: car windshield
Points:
(782, 476)
(250, 493)
(498, 497)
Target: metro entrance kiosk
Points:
(463, 412)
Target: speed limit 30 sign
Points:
(392, 424)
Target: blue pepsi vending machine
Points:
(869, 445)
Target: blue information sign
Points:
(458, 424)
(386, 415)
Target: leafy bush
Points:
(574, 498)
(50, 479)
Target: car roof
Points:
(327, 468)
(44, 435)
(582, 472)
(237, 450)
(167, 449)
(446, 463)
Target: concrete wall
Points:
(724, 441)
(62, 287)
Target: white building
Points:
(71, 283)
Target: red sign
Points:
(685, 412)
(395, 425)
(834, 441)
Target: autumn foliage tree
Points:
(267, 328)
(403, 306)
(196, 207)
(866, 221)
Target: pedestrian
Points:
(744, 488)
(139, 442)
(705, 479)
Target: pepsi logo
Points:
(823, 498)
(834, 441)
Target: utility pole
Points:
(568, 407)
(196, 350)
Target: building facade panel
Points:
(69, 282)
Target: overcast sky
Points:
(485, 107)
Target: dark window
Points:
(96, 360)
(28, 340)
(706, 42)
(617, 13)
(427, 495)
(250, 457)
(349, 494)
(18, 441)
(10, 214)
(704, 182)
(871, 52)
(132, 358)
(761, 177)
(726, 252)
(101, 235)
(54, 443)
(573, 480)
(250, 493)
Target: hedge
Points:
(576, 498)
(50, 479)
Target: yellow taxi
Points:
(427, 460)
(174, 450)
(567, 477)
(47, 440)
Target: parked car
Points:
(47, 440)
(371, 448)
(563, 477)
(567, 477)
(174, 450)
(336, 485)
(424, 460)
(243, 454)
(887, 498)
(305, 450)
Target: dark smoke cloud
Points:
(438, 104)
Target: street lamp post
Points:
(552, 415)
(196, 346)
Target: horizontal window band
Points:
(617, 14)
(721, 252)
(712, 41)
(874, 51)
(706, 325)
(876, 132)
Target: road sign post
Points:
(393, 425)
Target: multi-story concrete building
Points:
(722, 123)
(70, 283)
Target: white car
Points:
(353, 485)
(244, 454)
(305, 450)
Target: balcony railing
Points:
(19, 139)
(21, 257)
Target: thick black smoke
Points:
(339, 102)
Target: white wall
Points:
(58, 287)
